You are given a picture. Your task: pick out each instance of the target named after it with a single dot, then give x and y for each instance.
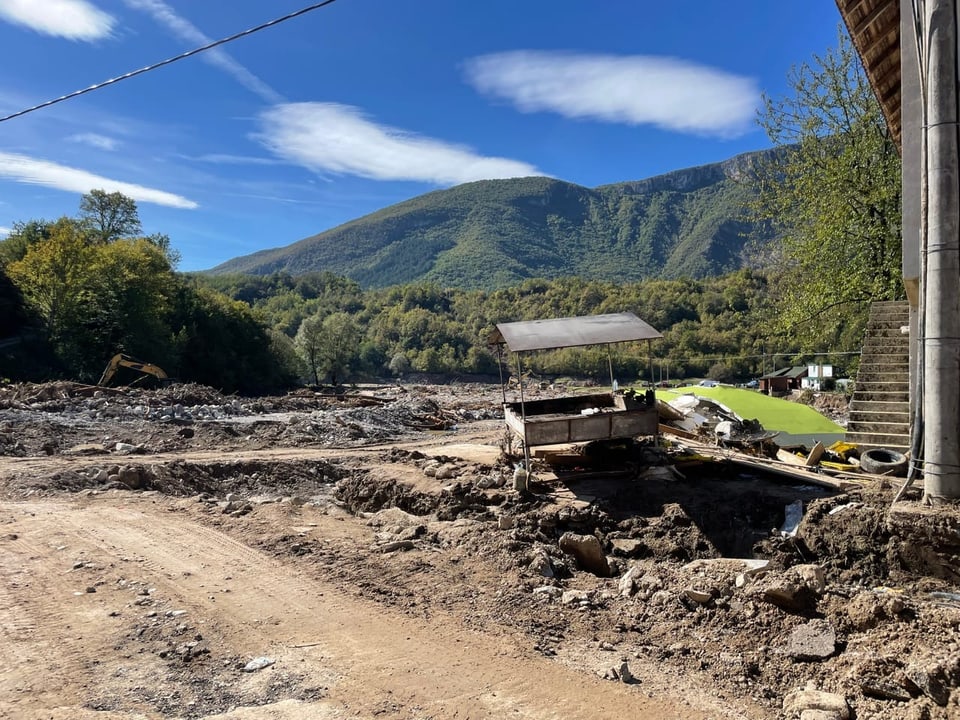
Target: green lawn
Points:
(773, 413)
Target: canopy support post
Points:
(503, 387)
(523, 416)
(650, 355)
(610, 366)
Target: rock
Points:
(258, 663)
(624, 673)
(506, 522)
(540, 562)
(796, 589)
(130, 477)
(628, 547)
(812, 576)
(884, 690)
(587, 551)
(627, 585)
(819, 715)
(124, 448)
(446, 472)
(548, 590)
(571, 597)
(815, 640)
(799, 702)
(229, 506)
(662, 597)
(394, 516)
(412, 532)
(931, 680)
(396, 545)
(698, 596)
(87, 449)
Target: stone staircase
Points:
(880, 407)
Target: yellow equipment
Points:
(120, 360)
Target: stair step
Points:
(877, 407)
(889, 360)
(887, 331)
(882, 386)
(880, 428)
(871, 375)
(896, 397)
(878, 342)
(896, 441)
(862, 416)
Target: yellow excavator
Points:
(120, 360)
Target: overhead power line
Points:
(170, 61)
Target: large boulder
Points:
(587, 551)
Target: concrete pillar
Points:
(941, 344)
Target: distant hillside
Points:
(493, 233)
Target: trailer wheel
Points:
(881, 461)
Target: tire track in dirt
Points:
(51, 625)
(379, 662)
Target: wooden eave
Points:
(874, 27)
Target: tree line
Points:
(85, 288)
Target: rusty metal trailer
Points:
(577, 418)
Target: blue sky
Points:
(364, 103)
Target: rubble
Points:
(688, 574)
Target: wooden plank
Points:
(813, 459)
(789, 458)
(671, 430)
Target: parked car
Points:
(708, 383)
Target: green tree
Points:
(21, 237)
(53, 275)
(833, 194)
(109, 216)
(129, 299)
(309, 345)
(341, 339)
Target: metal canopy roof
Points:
(572, 332)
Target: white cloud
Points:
(4, 231)
(227, 159)
(634, 90)
(71, 19)
(101, 142)
(31, 171)
(188, 32)
(340, 139)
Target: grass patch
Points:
(773, 413)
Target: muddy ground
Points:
(369, 550)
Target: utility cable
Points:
(171, 60)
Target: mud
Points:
(397, 496)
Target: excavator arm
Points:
(120, 360)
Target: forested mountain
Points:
(496, 233)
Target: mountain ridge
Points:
(494, 233)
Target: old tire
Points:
(881, 461)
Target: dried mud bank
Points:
(636, 576)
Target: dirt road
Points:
(90, 590)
